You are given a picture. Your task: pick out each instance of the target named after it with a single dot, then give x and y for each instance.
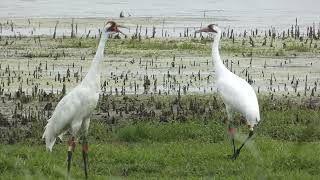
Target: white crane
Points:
(73, 111)
(237, 94)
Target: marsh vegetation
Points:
(159, 114)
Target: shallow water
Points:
(295, 69)
(241, 13)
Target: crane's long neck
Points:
(218, 64)
(92, 78)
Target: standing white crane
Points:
(73, 111)
(237, 94)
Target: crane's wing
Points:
(70, 111)
(240, 96)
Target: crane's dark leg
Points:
(233, 146)
(232, 131)
(71, 147)
(237, 152)
(85, 148)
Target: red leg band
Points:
(232, 131)
(71, 144)
(85, 148)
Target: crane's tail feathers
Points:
(258, 119)
(49, 136)
(62, 134)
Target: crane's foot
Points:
(233, 146)
(71, 147)
(85, 148)
(235, 154)
(235, 151)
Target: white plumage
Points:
(237, 94)
(74, 110)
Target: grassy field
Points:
(265, 158)
(194, 145)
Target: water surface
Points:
(245, 13)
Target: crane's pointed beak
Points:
(205, 29)
(120, 26)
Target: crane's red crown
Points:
(112, 27)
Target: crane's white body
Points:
(237, 94)
(74, 110)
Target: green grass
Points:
(284, 147)
(169, 132)
(76, 43)
(264, 158)
(297, 47)
(165, 47)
